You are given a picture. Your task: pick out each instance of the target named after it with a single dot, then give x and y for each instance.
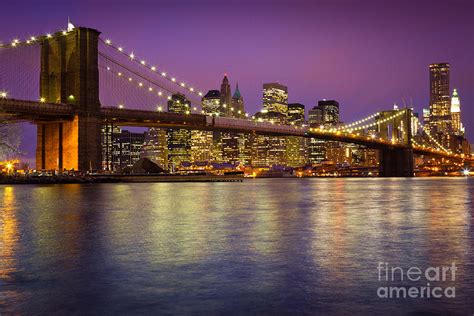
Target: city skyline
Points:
(247, 157)
(365, 60)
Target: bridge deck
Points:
(37, 111)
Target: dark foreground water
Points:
(301, 246)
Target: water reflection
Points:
(9, 238)
(287, 245)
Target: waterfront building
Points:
(296, 146)
(155, 147)
(269, 150)
(316, 147)
(179, 140)
(325, 114)
(127, 147)
(275, 98)
(108, 132)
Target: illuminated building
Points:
(316, 147)
(296, 114)
(329, 112)
(211, 102)
(108, 132)
(458, 129)
(155, 147)
(244, 145)
(202, 142)
(225, 96)
(230, 141)
(275, 98)
(127, 148)
(237, 108)
(179, 140)
(269, 150)
(440, 102)
(426, 116)
(326, 114)
(295, 146)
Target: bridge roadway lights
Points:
(396, 162)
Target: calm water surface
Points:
(280, 246)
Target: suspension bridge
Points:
(78, 70)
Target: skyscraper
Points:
(316, 147)
(179, 140)
(440, 103)
(211, 102)
(275, 98)
(296, 114)
(456, 114)
(127, 148)
(326, 113)
(225, 96)
(237, 108)
(155, 147)
(330, 111)
(269, 150)
(205, 145)
(296, 146)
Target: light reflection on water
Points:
(276, 245)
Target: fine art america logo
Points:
(434, 281)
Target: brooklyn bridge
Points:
(69, 114)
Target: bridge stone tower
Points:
(69, 74)
(398, 162)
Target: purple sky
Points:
(365, 54)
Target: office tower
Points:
(275, 98)
(426, 116)
(237, 108)
(325, 114)
(211, 103)
(269, 150)
(456, 114)
(201, 146)
(108, 132)
(316, 147)
(295, 146)
(127, 148)
(179, 140)
(202, 142)
(155, 147)
(330, 112)
(440, 102)
(229, 141)
(296, 114)
(225, 96)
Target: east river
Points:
(271, 246)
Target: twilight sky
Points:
(366, 54)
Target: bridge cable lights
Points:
(359, 121)
(425, 129)
(350, 130)
(138, 85)
(151, 68)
